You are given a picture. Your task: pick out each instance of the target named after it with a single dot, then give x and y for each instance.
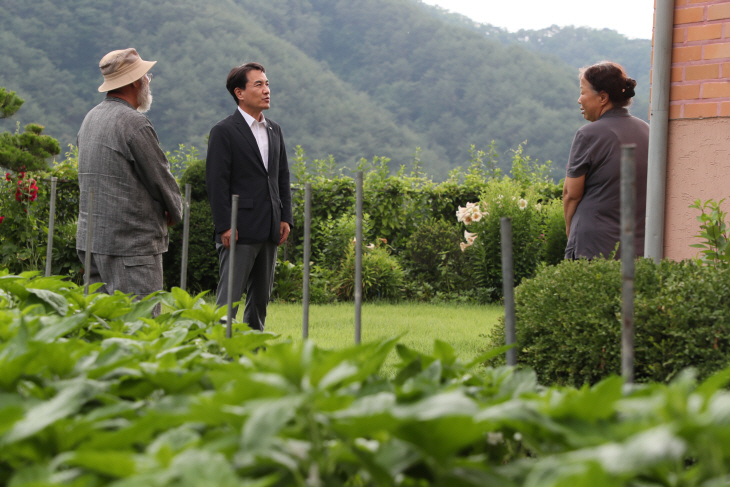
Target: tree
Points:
(27, 151)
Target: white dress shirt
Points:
(259, 132)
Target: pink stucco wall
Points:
(698, 167)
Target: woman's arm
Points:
(572, 194)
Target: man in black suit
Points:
(246, 156)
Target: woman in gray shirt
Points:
(591, 193)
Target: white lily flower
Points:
(469, 237)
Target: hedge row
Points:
(569, 321)
(410, 219)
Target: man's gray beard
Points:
(144, 98)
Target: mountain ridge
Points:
(352, 78)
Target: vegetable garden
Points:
(96, 393)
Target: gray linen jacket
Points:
(121, 159)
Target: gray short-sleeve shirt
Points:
(596, 154)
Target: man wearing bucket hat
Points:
(135, 194)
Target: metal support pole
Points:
(231, 265)
(307, 251)
(656, 176)
(87, 256)
(358, 257)
(51, 225)
(628, 204)
(186, 238)
(508, 286)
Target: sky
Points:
(633, 18)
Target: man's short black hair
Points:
(238, 77)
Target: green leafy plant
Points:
(181, 158)
(713, 232)
(95, 392)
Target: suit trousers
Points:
(253, 272)
(140, 275)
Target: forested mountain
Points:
(576, 46)
(352, 78)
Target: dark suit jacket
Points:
(234, 166)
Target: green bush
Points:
(555, 240)
(289, 285)
(505, 198)
(382, 276)
(202, 255)
(569, 321)
(194, 175)
(336, 236)
(431, 255)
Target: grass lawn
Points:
(333, 326)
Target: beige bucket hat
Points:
(121, 68)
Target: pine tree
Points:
(27, 151)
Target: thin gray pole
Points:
(51, 224)
(358, 258)
(508, 286)
(307, 251)
(186, 238)
(656, 177)
(628, 204)
(89, 225)
(231, 265)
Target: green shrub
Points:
(382, 276)
(25, 220)
(289, 285)
(202, 255)
(569, 321)
(336, 236)
(194, 174)
(555, 239)
(287, 281)
(505, 198)
(431, 255)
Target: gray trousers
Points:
(253, 272)
(140, 275)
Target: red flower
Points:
(26, 191)
(7, 176)
(2, 218)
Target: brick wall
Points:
(700, 60)
(698, 166)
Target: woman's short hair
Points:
(611, 78)
(238, 77)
